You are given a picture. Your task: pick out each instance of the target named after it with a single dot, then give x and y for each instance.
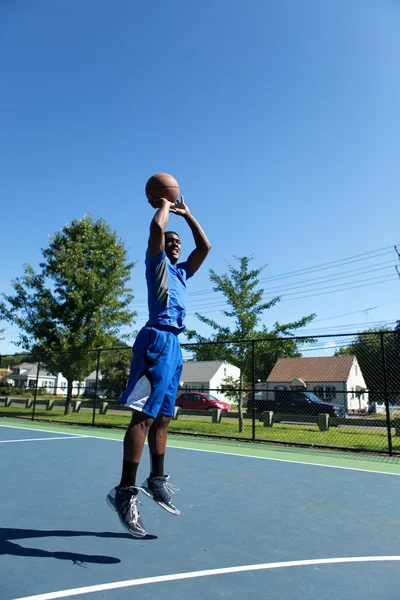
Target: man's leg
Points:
(123, 499)
(135, 437)
(157, 444)
(157, 485)
(145, 392)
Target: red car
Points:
(201, 401)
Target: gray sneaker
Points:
(158, 488)
(124, 501)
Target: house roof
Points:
(200, 370)
(25, 369)
(92, 376)
(324, 368)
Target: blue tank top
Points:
(166, 292)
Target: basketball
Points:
(162, 185)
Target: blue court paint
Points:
(58, 533)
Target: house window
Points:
(325, 392)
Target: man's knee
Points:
(161, 421)
(140, 419)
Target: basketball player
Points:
(157, 364)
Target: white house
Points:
(207, 376)
(90, 381)
(335, 379)
(26, 374)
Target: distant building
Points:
(26, 374)
(334, 378)
(207, 376)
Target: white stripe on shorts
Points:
(139, 395)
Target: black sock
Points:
(129, 470)
(157, 465)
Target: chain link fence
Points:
(338, 391)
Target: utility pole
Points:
(398, 254)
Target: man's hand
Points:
(159, 202)
(180, 208)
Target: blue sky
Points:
(279, 119)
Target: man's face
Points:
(173, 247)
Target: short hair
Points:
(171, 232)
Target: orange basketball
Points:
(162, 185)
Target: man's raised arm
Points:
(203, 246)
(158, 225)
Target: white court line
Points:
(196, 574)
(44, 430)
(284, 460)
(71, 437)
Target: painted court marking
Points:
(71, 437)
(211, 572)
(44, 430)
(284, 460)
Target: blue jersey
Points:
(166, 290)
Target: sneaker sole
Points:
(149, 493)
(111, 504)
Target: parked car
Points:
(201, 401)
(293, 402)
(90, 395)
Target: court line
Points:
(207, 573)
(71, 437)
(285, 460)
(44, 430)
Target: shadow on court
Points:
(9, 535)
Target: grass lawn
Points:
(356, 438)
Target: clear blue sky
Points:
(280, 119)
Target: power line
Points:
(341, 327)
(338, 263)
(331, 264)
(329, 278)
(217, 307)
(219, 300)
(215, 310)
(357, 311)
(300, 285)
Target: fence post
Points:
(253, 389)
(36, 388)
(95, 387)
(385, 394)
(323, 422)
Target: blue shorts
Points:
(155, 373)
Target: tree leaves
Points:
(79, 300)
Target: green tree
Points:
(115, 363)
(368, 347)
(78, 302)
(246, 307)
(230, 387)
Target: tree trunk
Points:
(68, 401)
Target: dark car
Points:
(201, 401)
(293, 403)
(90, 395)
